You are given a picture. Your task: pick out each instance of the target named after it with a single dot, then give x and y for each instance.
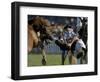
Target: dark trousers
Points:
(63, 48)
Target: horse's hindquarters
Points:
(32, 39)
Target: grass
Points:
(52, 59)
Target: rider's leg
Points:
(72, 58)
(63, 56)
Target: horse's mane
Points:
(39, 21)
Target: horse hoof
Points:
(43, 62)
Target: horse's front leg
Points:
(44, 60)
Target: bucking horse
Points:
(38, 35)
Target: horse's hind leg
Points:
(44, 57)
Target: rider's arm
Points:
(73, 39)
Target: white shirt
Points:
(79, 45)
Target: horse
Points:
(38, 34)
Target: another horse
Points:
(38, 33)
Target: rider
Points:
(66, 40)
(69, 41)
(74, 42)
(69, 36)
(72, 38)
